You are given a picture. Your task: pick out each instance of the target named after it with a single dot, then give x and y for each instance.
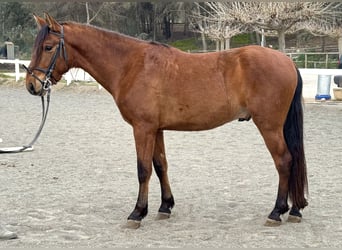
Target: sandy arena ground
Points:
(78, 186)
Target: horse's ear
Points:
(53, 24)
(40, 21)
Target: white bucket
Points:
(323, 87)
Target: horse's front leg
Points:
(144, 142)
(160, 167)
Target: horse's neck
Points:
(102, 54)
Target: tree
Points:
(278, 18)
(216, 21)
(15, 21)
(95, 12)
(198, 24)
(156, 18)
(329, 24)
(13, 17)
(226, 19)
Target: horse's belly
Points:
(187, 119)
(200, 104)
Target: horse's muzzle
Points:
(31, 89)
(35, 90)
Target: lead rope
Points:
(29, 147)
(46, 86)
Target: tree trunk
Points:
(257, 37)
(263, 39)
(186, 25)
(222, 44)
(167, 27)
(204, 42)
(340, 46)
(87, 11)
(217, 45)
(281, 40)
(227, 43)
(154, 23)
(322, 44)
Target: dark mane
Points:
(160, 44)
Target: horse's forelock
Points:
(38, 44)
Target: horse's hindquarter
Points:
(269, 79)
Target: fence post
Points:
(17, 71)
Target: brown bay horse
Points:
(157, 88)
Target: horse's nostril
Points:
(31, 88)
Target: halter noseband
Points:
(46, 83)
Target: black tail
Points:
(293, 132)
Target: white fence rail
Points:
(74, 74)
(17, 63)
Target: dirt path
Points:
(78, 186)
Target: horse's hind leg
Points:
(160, 167)
(276, 144)
(294, 215)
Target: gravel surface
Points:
(78, 186)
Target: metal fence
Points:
(315, 60)
(305, 60)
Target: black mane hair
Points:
(41, 36)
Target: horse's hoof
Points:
(163, 216)
(132, 224)
(7, 235)
(272, 223)
(294, 219)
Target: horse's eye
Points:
(48, 48)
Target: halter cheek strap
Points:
(61, 44)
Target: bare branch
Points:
(226, 19)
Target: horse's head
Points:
(49, 56)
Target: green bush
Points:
(186, 44)
(240, 40)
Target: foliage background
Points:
(166, 22)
